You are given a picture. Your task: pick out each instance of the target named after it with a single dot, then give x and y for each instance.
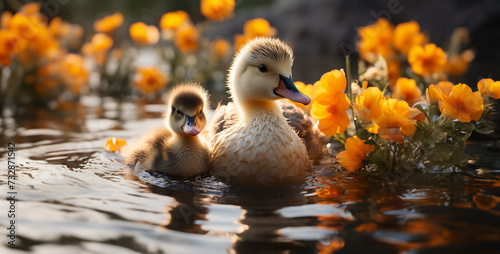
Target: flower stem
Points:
(349, 90)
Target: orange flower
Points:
(258, 27)
(114, 144)
(239, 41)
(28, 27)
(393, 71)
(457, 65)
(407, 35)
(143, 34)
(30, 9)
(376, 39)
(459, 103)
(10, 44)
(150, 80)
(305, 89)
(172, 20)
(488, 87)
(356, 152)
(330, 103)
(426, 60)
(108, 23)
(58, 27)
(33, 29)
(217, 10)
(186, 38)
(99, 44)
(221, 48)
(394, 121)
(442, 87)
(407, 89)
(367, 107)
(73, 73)
(5, 19)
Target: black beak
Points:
(289, 85)
(287, 89)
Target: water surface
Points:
(75, 197)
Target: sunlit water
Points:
(75, 197)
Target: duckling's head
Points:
(187, 104)
(262, 71)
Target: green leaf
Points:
(485, 126)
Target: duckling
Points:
(260, 146)
(304, 124)
(176, 149)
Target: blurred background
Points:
(317, 29)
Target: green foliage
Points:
(437, 144)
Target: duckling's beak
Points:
(288, 90)
(191, 127)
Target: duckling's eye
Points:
(201, 112)
(178, 111)
(262, 68)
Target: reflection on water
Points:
(74, 197)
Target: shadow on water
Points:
(76, 197)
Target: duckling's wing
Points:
(224, 117)
(148, 149)
(306, 129)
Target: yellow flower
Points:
(376, 39)
(114, 144)
(108, 23)
(150, 80)
(407, 35)
(394, 121)
(426, 60)
(186, 38)
(305, 89)
(217, 10)
(172, 20)
(488, 87)
(459, 103)
(457, 65)
(407, 89)
(355, 154)
(367, 107)
(143, 34)
(221, 48)
(330, 103)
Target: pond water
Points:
(75, 197)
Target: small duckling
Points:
(177, 149)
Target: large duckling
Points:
(260, 146)
(304, 124)
(177, 149)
